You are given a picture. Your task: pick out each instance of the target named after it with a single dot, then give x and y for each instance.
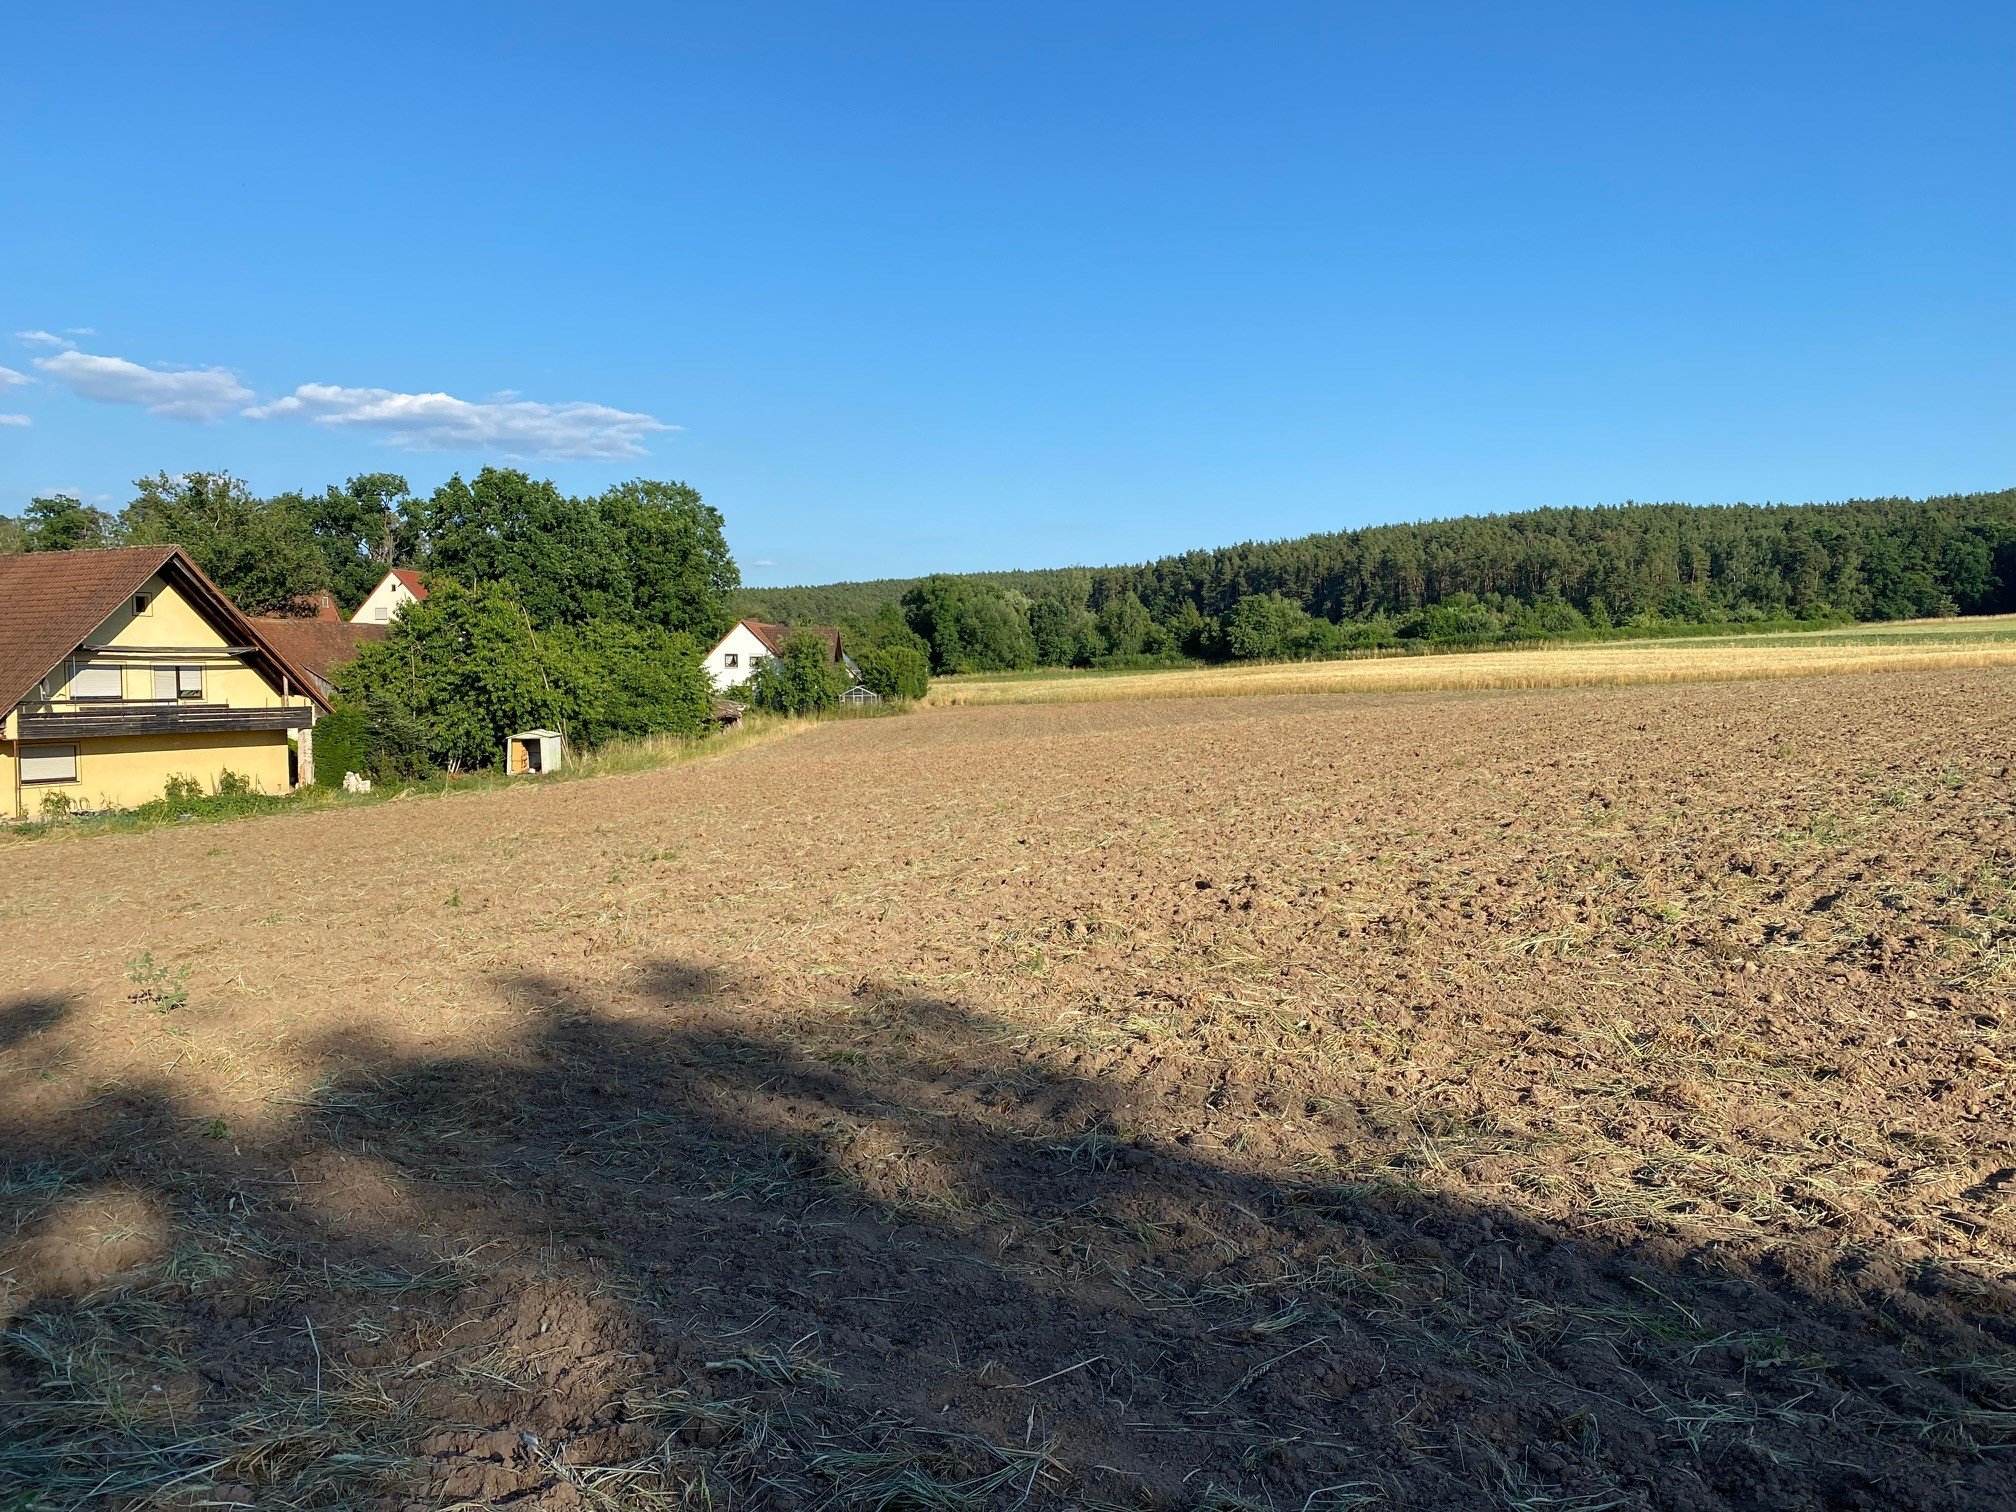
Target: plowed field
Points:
(1566, 1099)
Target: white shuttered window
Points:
(173, 683)
(49, 763)
(96, 680)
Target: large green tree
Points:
(460, 671)
(895, 671)
(261, 552)
(465, 668)
(1263, 625)
(1065, 633)
(57, 522)
(1127, 630)
(621, 679)
(682, 577)
(970, 625)
(801, 679)
(645, 551)
(360, 529)
(886, 627)
(557, 554)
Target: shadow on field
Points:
(22, 1017)
(644, 1258)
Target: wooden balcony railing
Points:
(79, 720)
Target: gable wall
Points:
(173, 624)
(741, 643)
(390, 595)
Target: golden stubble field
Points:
(1579, 1098)
(1976, 642)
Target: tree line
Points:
(643, 551)
(607, 585)
(1474, 579)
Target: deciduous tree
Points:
(58, 522)
(801, 679)
(261, 552)
(682, 576)
(970, 625)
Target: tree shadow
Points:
(22, 1018)
(646, 1257)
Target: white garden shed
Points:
(533, 751)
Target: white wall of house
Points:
(735, 658)
(385, 602)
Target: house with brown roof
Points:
(319, 605)
(398, 588)
(752, 642)
(319, 648)
(122, 668)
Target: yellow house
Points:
(120, 669)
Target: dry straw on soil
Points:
(1598, 1099)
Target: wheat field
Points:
(1914, 646)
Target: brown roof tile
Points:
(319, 605)
(319, 647)
(51, 600)
(774, 636)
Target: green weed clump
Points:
(158, 987)
(184, 798)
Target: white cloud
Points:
(441, 422)
(15, 420)
(763, 562)
(79, 331)
(202, 394)
(505, 423)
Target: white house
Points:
(401, 586)
(752, 642)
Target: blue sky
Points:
(945, 286)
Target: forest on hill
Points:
(1474, 579)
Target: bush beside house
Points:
(802, 678)
(464, 669)
(901, 672)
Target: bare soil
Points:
(1574, 1099)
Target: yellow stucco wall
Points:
(122, 771)
(170, 623)
(128, 771)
